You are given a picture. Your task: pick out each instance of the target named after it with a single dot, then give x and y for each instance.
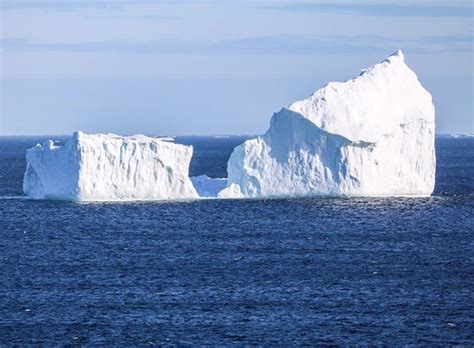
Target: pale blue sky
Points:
(215, 67)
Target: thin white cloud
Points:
(379, 10)
(265, 45)
(73, 5)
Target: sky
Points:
(207, 67)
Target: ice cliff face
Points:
(370, 136)
(109, 167)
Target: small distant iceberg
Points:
(166, 139)
(456, 135)
(207, 187)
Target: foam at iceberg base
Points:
(109, 167)
(370, 136)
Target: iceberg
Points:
(372, 135)
(107, 167)
(208, 187)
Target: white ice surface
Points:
(109, 167)
(208, 187)
(370, 136)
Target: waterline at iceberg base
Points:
(370, 136)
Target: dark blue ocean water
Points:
(248, 272)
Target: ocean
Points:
(283, 272)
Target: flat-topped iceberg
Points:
(109, 167)
(370, 136)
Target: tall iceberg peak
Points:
(94, 167)
(371, 105)
(372, 135)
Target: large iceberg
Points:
(370, 136)
(109, 167)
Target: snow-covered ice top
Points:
(370, 136)
(373, 104)
(91, 167)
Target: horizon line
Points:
(183, 135)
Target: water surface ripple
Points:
(239, 272)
